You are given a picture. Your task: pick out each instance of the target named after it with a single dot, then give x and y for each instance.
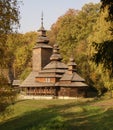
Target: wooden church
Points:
(50, 77)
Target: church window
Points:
(47, 79)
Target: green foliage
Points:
(71, 31)
(107, 80)
(109, 4)
(86, 18)
(101, 48)
(102, 36)
(25, 73)
(104, 55)
(96, 77)
(9, 20)
(9, 15)
(20, 51)
(66, 36)
(7, 95)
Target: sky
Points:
(31, 10)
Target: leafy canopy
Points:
(9, 20)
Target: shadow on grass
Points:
(56, 117)
(91, 120)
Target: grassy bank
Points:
(60, 115)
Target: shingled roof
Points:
(55, 68)
(55, 65)
(16, 82)
(71, 84)
(42, 45)
(30, 80)
(67, 76)
(71, 78)
(74, 77)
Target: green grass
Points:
(59, 115)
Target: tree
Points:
(102, 41)
(9, 18)
(109, 4)
(102, 45)
(66, 36)
(7, 95)
(75, 27)
(71, 31)
(20, 52)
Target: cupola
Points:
(56, 55)
(42, 33)
(72, 66)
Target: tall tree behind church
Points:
(71, 32)
(102, 43)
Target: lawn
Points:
(60, 115)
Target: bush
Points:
(7, 95)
